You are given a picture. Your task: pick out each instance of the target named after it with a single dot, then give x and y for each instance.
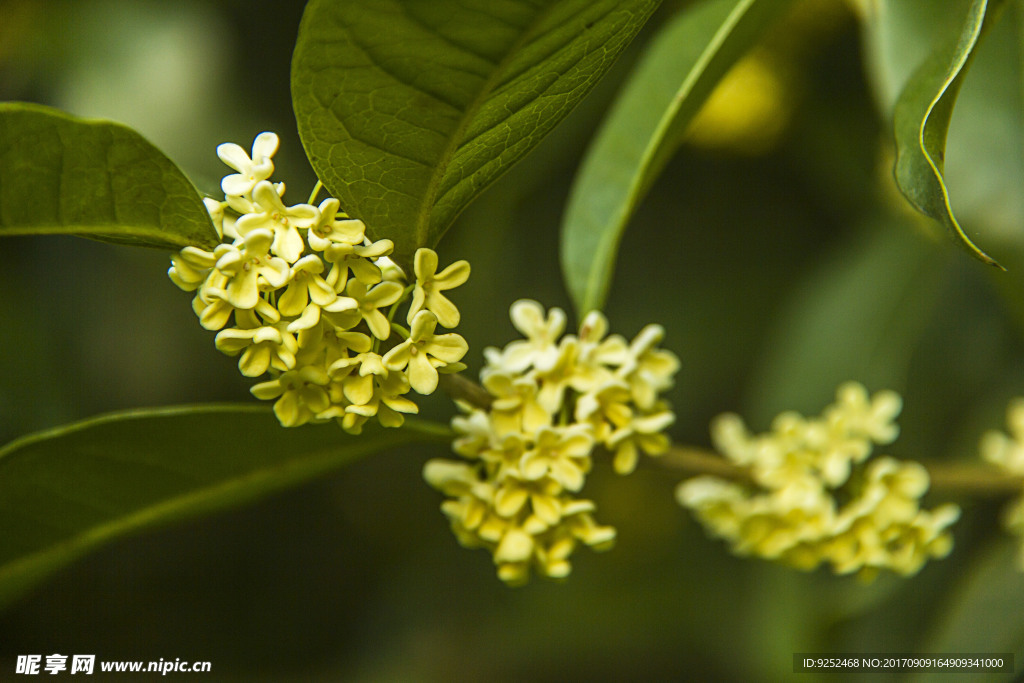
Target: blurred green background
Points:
(776, 255)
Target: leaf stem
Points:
(437, 431)
(316, 190)
(953, 478)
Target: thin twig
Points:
(955, 478)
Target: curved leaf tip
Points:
(64, 175)
(921, 120)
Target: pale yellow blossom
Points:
(251, 170)
(816, 496)
(282, 221)
(282, 272)
(423, 352)
(429, 285)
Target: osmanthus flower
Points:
(339, 344)
(315, 336)
(261, 348)
(387, 402)
(300, 394)
(649, 370)
(250, 269)
(251, 170)
(502, 458)
(599, 352)
(542, 332)
(555, 399)
(429, 285)
(357, 374)
(515, 407)
(367, 304)
(359, 258)
(816, 495)
(331, 229)
(540, 496)
(423, 352)
(1006, 451)
(306, 285)
(564, 374)
(282, 221)
(520, 540)
(642, 433)
(884, 527)
(863, 416)
(216, 211)
(563, 454)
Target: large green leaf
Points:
(922, 116)
(665, 92)
(408, 109)
(98, 179)
(898, 36)
(66, 491)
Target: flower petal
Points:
(264, 146)
(234, 156)
(452, 276)
(422, 375)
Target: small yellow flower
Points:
(542, 495)
(300, 395)
(306, 285)
(190, 267)
(540, 348)
(251, 170)
(360, 259)
(283, 273)
(282, 221)
(362, 303)
(262, 348)
(425, 351)
(649, 370)
(562, 453)
(357, 376)
(250, 269)
(386, 402)
(642, 433)
(791, 513)
(515, 408)
(1007, 452)
(330, 229)
(429, 285)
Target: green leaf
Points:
(683, 65)
(69, 490)
(898, 36)
(408, 109)
(921, 121)
(97, 179)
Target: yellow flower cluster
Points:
(814, 496)
(314, 302)
(1007, 452)
(555, 398)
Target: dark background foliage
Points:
(778, 269)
